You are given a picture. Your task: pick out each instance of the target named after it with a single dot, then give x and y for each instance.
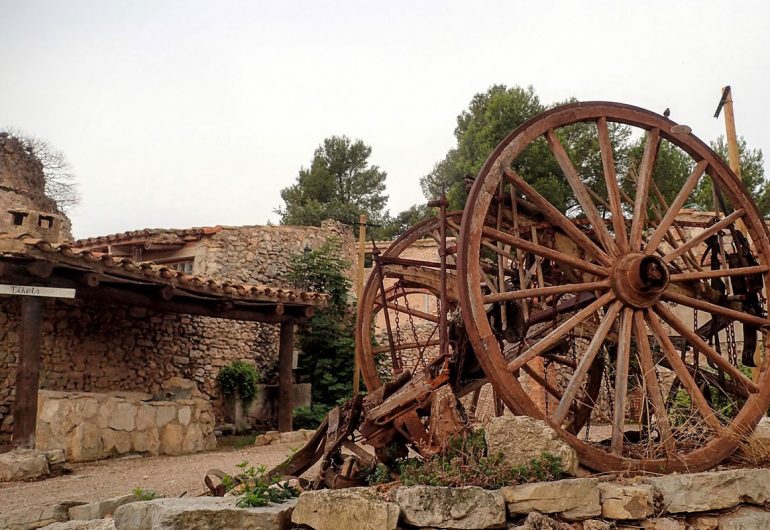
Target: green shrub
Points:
(144, 495)
(238, 377)
(309, 417)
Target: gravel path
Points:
(168, 475)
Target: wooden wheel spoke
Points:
(546, 291)
(542, 251)
(675, 207)
(411, 311)
(556, 217)
(557, 334)
(580, 191)
(621, 380)
(705, 234)
(585, 362)
(683, 374)
(643, 188)
(701, 345)
(647, 366)
(719, 273)
(611, 181)
(732, 314)
(406, 346)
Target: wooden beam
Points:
(285, 377)
(40, 269)
(28, 373)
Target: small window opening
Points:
(45, 221)
(18, 218)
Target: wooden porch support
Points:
(285, 378)
(28, 373)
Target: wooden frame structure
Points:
(104, 279)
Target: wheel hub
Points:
(638, 280)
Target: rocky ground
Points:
(168, 475)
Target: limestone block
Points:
(39, 516)
(100, 509)
(116, 442)
(713, 490)
(703, 522)
(184, 414)
(456, 508)
(165, 414)
(201, 512)
(49, 410)
(23, 464)
(626, 501)
(193, 440)
(95, 524)
(538, 521)
(745, 518)
(596, 524)
(106, 413)
(82, 409)
(145, 417)
(146, 441)
(345, 509)
(663, 523)
(85, 443)
(171, 439)
(521, 438)
(123, 419)
(573, 499)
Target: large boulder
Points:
(201, 512)
(621, 501)
(451, 508)
(713, 490)
(521, 439)
(572, 499)
(23, 464)
(346, 509)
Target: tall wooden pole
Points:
(285, 379)
(359, 294)
(28, 373)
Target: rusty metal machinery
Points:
(609, 321)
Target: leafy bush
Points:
(238, 377)
(309, 417)
(327, 342)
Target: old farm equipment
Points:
(611, 316)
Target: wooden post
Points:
(285, 378)
(359, 294)
(28, 373)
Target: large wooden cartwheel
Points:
(412, 307)
(677, 398)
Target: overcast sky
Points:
(191, 113)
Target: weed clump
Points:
(466, 463)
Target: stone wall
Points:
(105, 348)
(261, 254)
(92, 426)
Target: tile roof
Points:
(154, 235)
(69, 256)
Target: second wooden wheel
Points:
(659, 300)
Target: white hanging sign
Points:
(34, 290)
